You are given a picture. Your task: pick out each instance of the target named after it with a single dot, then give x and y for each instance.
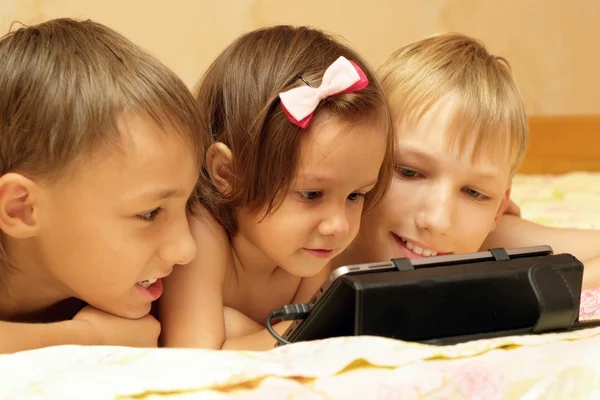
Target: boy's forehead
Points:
(137, 129)
(139, 139)
(437, 130)
(141, 156)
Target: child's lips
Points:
(320, 253)
(152, 292)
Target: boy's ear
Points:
(219, 166)
(503, 207)
(18, 208)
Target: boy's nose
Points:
(436, 213)
(181, 247)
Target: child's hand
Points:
(100, 328)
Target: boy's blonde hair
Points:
(64, 85)
(487, 100)
(239, 99)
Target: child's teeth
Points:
(419, 250)
(148, 283)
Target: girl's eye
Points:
(150, 215)
(356, 197)
(313, 195)
(407, 172)
(475, 194)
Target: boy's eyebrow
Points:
(486, 175)
(413, 151)
(160, 194)
(166, 193)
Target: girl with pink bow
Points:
(302, 144)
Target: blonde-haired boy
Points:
(461, 136)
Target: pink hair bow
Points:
(342, 76)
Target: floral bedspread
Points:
(551, 366)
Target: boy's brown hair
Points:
(239, 98)
(488, 103)
(64, 86)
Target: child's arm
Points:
(244, 333)
(16, 336)
(89, 327)
(584, 244)
(191, 307)
(591, 273)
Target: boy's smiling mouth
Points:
(414, 250)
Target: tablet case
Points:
(450, 304)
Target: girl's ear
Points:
(219, 166)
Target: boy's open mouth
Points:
(147, 283)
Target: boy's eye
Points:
(191, 203)
(356, 196)
(407, 172)
(313, 195)
(150, 215)
(475, 194)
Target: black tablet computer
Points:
(448, 299)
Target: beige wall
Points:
(549, 43)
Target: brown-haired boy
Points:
(99, 154)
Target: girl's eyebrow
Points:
(312, 177)
(319, 178)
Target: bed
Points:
(559, 185)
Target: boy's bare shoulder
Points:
(204, 225)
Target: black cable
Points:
(289, 312)
(275, 315)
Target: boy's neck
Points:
(27, 288)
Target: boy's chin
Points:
(128, 312)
